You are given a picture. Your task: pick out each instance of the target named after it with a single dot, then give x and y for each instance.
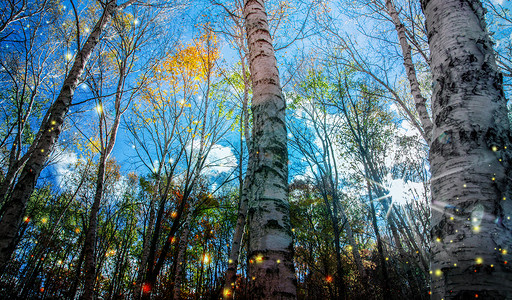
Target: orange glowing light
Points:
(146, 288)
(476, 295)
(41, 289)
(174, 214)
(328, 278)
(26, 219)
(173, 240)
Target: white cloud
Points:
(64, 166)
(220, 159)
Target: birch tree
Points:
(470, 157)
(48, 135)
(270, 249)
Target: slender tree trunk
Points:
(419, 100)
(270, 251)
(469, 157)
(145, 248)
(48, 135)
(385, 274)
(180, 261)
(333, 215)
(234, 253)
(90, 236)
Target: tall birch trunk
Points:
(469, 156)
(47, 137)
(419, 101)
(270, 250)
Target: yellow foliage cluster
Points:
(180, 75)
(190, 64)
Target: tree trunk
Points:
(145, 247)
(90, 236)
(385, 274)
(469, 157)
(234, 253)
(180, 261)
(48, 136)
(419, 100)
(270, 251)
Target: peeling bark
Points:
(270, 250)
(470, 157)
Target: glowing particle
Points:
(451, 241)
(492, 266)
(387, 258)
(136, 21)
(44, 220)
(454, 265)
(438, 239)
(493, 178)
(278, 261)
(504, 251)
(227, 292)
(53, 122)
(259, 258)
(99, 108)
(479, 260)
(494, 148)
(451, 218)
(174, 214)
(328, 278)
(230, 261)
(77, 230)
(465, 185)
(504, 198)
(438, 272)
(26, 219)
(69, 56)
(59, 262)
(42, 150)
(476, 229)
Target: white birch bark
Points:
(270, 250)
(419, 101)
(470, 160)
